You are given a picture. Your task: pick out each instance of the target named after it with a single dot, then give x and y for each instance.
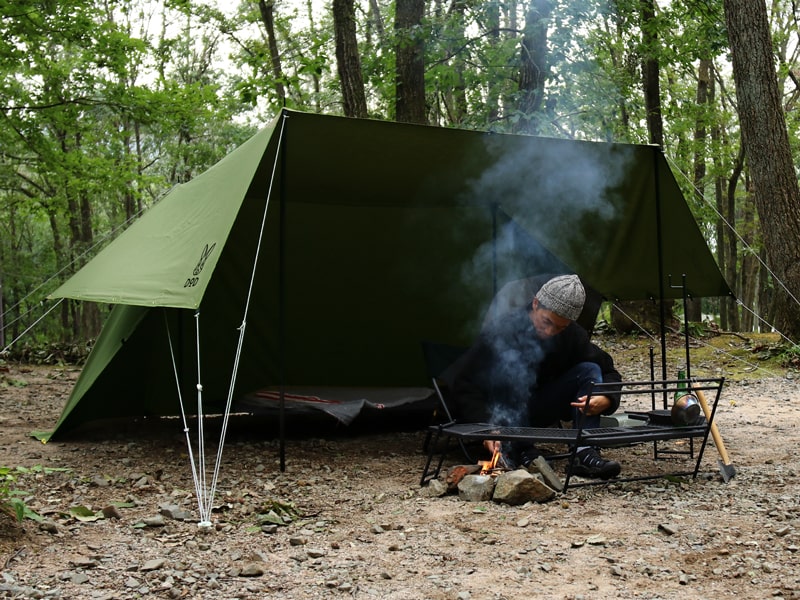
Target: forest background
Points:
(106, 105)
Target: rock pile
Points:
(514, 487)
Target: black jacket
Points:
(509, 360)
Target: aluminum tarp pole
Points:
(660, 253)
(282, 301)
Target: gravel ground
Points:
(357, 524)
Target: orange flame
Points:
(487, 466)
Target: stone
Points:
(154, 564)
(519, 486)
(668, 528)
(175, 512)
(457, 473)
(156, 521)
(99, 481)
(476, 488)
(596, 540)
(252, 570)
(111, 512)
(551, 478)
(49, 526)
(82, 562)
(435, 489)
(79, 578)
(269, 528)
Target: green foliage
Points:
(101, 117)
(696, 329)
(13, 501)
(277, 512)
(108, 105)
(786, 354)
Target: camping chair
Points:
(441, 362)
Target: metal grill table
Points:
(603, 437)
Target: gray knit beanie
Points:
(564, 295)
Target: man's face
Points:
(546, 322)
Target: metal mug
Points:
(685, 410)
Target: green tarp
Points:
(376, 236)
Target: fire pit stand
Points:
(604, 437)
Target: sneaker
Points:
(589, 463)
(528, 455)
(518, 455)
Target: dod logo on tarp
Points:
(192, 281)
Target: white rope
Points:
(207, 501)
(195, 476)
(699, 341)
(632, 320)
(71, 263)
(204, 493)
(32, 325)
(242, 328)
(770, 325)
(741, 239)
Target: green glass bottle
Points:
(683, 389)
(685, 407)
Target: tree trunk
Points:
(266, 8)
(533, 66)
(2, 322)
(643, 311)
(765, 295)
(456, 97)
(650, 73)
(725, 259)
(348, 61)
(375, 20)
(769, 155)
(722, 258)
(410, 65)
(749, 269)
(694, 307)
(732, 252)
(493, 94)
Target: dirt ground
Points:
(357, 523)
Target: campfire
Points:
(496, 465)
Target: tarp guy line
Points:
(205, 513)
(747, 246)
(700, 341)
(197, 486)
(7, 310)
(207, 501)
(31, 326)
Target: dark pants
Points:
(550, 403)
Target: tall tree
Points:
(267, 10)
(769, 155)
(348, 61)
(410, 65)
(650, 73)
(533, 66)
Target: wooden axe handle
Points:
(723, 453)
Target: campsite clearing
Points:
(358, 525)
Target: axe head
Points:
(727, 471)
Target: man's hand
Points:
(595, 406)
(492, 446)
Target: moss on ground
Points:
(736, 356)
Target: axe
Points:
(725, 467)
